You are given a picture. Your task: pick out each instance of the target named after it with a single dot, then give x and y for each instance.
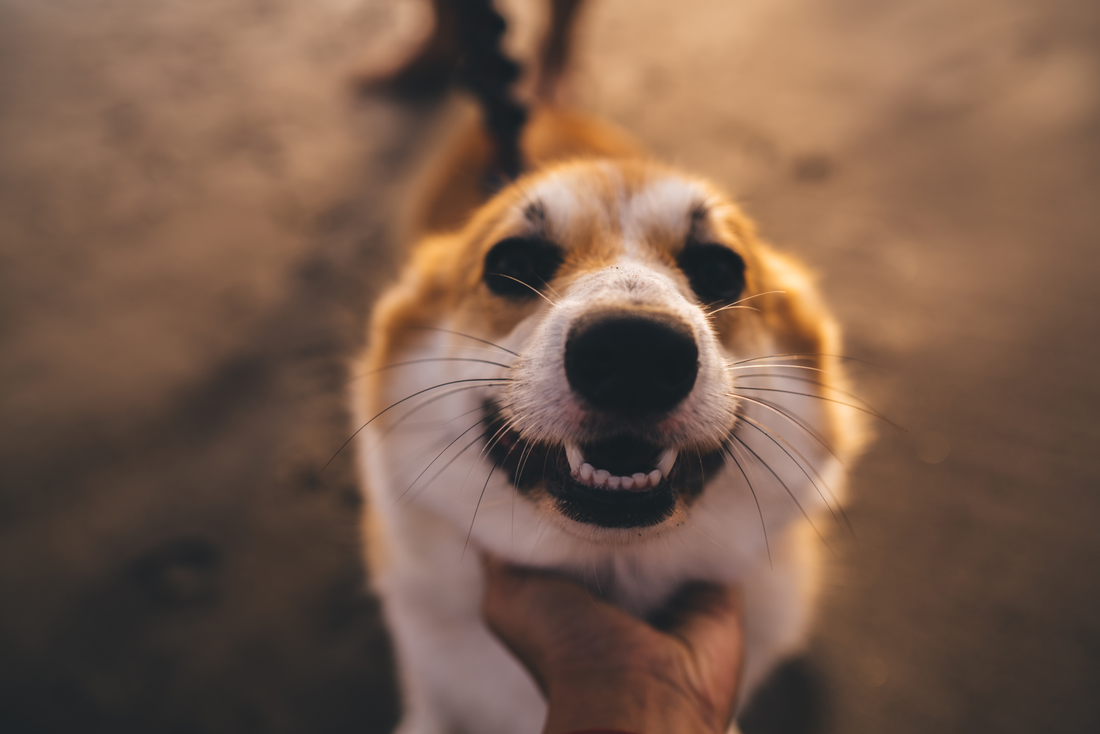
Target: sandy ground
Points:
(195, 211)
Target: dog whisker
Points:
(485, 450)
(540, 533)
(452, 460)
(737, 304)
(595, 572)
(485, 486)
(775, 435)
(497, 503)
(733, 366)
(730, 307)
(537, 292)
(868, 411)
(477, 507)
(768, 433)
(779, 479)
(528, 449)
(763, 526)
(464, 336)
(430, 401)
(803, 355)
(472, 348)
(810, 381)
(793, 418)
(407, 363)
(704, 535)
(467, 412)
(550, 288)
(495, 380)
(447, 448)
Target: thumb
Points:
(545, 620)
(707, 619)
(518, 608)
(704, 614)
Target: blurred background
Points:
(197, 204)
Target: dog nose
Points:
(631, 363)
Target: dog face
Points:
(581, 359)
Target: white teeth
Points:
(588, 474)
(576, 458)
(666, 460)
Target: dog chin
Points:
(603, 535)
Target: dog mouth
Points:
(622, 463)
(620, 481)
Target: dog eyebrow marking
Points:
(535, 214)
(553, 203)
(671, 205)
(700, 212)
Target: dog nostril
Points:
(631, 363)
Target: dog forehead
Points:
(630, 202)
(670, 204)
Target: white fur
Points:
(455, 675)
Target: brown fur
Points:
(444, 275)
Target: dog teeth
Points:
(576, 458)
(666, 460)
(587, 474)
(590, 475)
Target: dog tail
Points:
(490, 75)
(555, 52)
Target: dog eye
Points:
(716, 273)
(520, 268)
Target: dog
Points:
(599, 369)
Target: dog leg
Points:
(778, 606)
(456, 677)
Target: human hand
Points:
(599, 667)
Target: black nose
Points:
(631, 363)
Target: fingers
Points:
(707, 618)
(704, 615)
